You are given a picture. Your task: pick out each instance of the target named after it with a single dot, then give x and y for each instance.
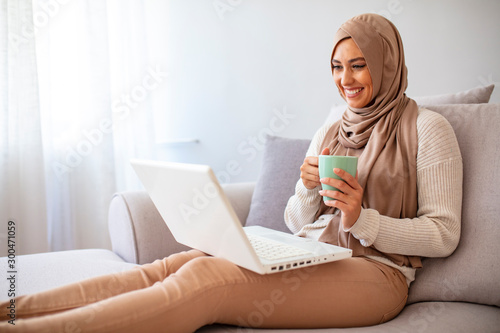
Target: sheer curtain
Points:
(22, 181)
(96, 87)
(95, 110)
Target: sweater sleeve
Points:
(303, 205)
(435, 231)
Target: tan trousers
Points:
(188, 290)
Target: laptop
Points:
(193, 205)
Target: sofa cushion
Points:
(476, 95)
(472, 272)
(280, 171)
(428, 317)
(43, 271)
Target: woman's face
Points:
(351, 74)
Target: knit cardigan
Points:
(435, 231)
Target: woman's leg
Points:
(95, 289)
(205, 290)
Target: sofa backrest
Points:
(472, 272)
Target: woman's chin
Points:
(358, 103)
(355, 104)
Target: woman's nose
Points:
(347, 78)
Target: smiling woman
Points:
(384, 128)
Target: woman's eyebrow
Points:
(349, 61)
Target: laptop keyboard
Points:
(273, 250)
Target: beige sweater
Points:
(435, 231)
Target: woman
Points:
(404, 203)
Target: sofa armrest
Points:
(137, 231)
(139, 234)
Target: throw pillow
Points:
(279, 173)
(476, 95)
(472, 272)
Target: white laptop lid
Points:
(193, 205)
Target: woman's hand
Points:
(309, 172)
(349, 200)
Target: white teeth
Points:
(352, 92)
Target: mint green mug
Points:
(329, 162)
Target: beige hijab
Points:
(383, 134)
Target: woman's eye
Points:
(336, 67)
(358, 66)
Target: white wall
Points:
(235, 64)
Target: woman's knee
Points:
(160, 269)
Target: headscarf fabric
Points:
(383, 134)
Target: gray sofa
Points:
(460, 293)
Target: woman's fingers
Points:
(348, 199)
(348, 178)
(309, 172)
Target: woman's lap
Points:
(350, 292)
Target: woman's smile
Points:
(352, 93)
